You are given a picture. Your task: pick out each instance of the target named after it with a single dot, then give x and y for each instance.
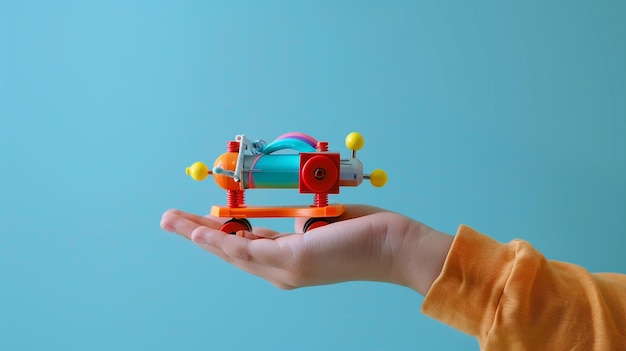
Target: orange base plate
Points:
(278, 211)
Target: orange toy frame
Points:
(333, 210)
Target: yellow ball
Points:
(378, 178)
(355, 141)
(198, 171)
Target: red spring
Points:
(322, 146)
(232, 146)
(235, 198)
(320, 200)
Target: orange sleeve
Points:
(510, 297)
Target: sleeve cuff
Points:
(467, 292)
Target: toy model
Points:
(293, 160)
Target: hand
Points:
(365, 243)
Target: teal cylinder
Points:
(271, 171)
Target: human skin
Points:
(365, 243)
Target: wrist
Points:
(425, 254)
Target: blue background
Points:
(507, 116)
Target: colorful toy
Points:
(293, 160)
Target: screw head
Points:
(319, 173)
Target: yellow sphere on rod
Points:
(198, 171)
(378, 178)
(355, 141)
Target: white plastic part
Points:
(244, 144)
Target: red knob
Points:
(319, 174)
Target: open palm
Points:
(366, 243)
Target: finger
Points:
(238, 252)
(234, 248)
(209, 221)
(197, 236)
(180, 223)
(242, 251)
(203, 219)
(184, 223)
(259, 233)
